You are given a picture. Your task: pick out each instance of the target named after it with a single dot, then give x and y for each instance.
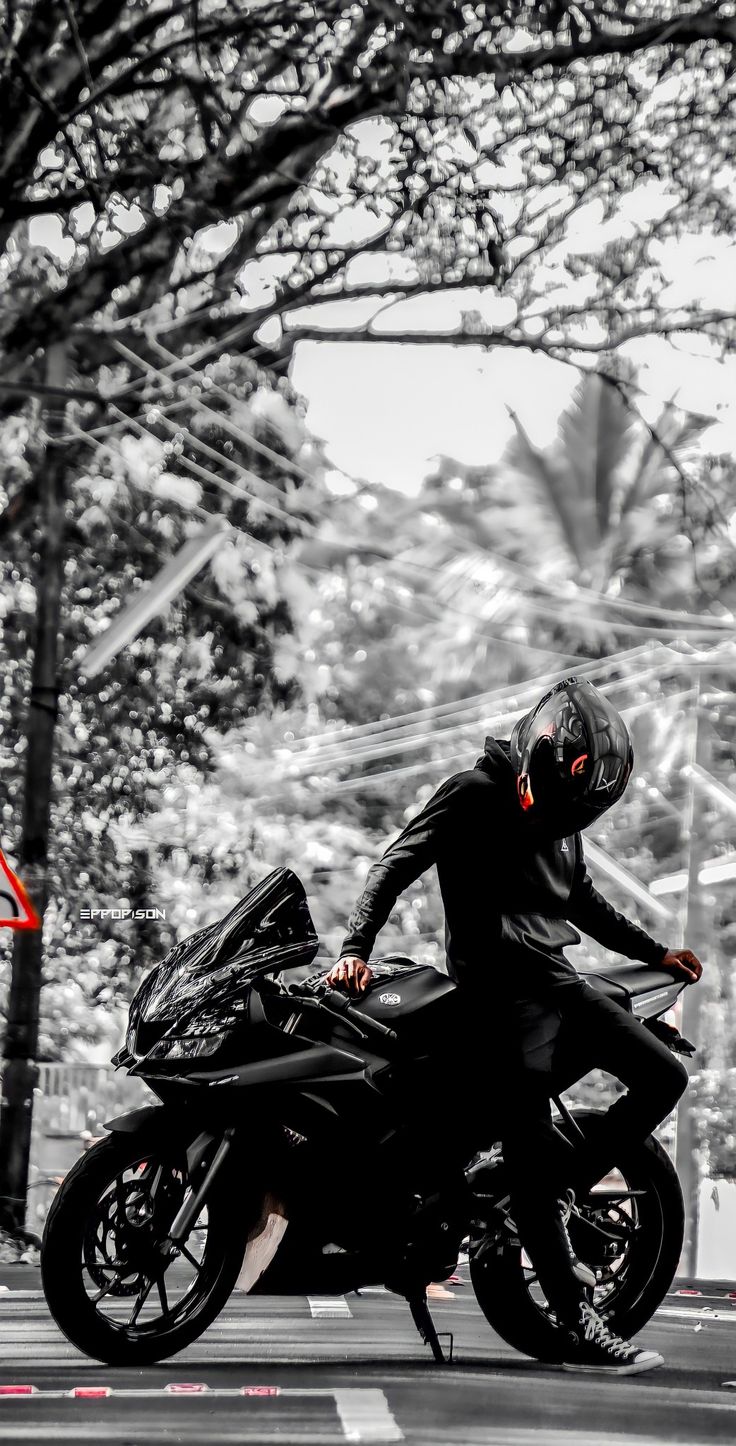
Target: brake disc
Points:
(124, 1235)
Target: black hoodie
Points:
(510, 895)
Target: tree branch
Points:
(688, 30)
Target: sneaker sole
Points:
(634, 1369)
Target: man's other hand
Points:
(351, 974)
(684, 963)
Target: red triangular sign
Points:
(16, 909)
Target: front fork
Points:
(195, 1199)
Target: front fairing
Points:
(202, 983)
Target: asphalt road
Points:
(287, 1369)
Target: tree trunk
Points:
(20, 1071)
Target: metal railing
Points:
(70, 1105)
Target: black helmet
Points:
(573, 757)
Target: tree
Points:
(459, 146)
(619, 528)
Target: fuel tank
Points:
(415, 1000)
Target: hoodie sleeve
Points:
(589, 911)
(417, 847)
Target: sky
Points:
(386, 410)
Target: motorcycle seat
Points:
(632, 980)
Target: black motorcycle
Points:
(308, 1142)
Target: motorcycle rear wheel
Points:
(505, 1285)
(99, 1254)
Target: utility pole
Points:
(19, 1069)
(695, 937)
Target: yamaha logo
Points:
(389, 998)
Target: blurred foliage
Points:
(187, 192)
(201, 669)
(620, 528)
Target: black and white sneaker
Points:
(593, 1347)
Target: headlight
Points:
(194, 1046)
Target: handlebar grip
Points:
(366, 1022)
(339, 1004)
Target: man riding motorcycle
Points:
(505, 837)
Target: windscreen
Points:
(270, 927)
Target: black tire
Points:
(632, 1296)
(66, 1247)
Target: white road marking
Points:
(700, 1317)
(365, 1415)
(325, 1307)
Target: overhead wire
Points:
(395, 562)
(374, 780)
(223, 421)
(569, 613)
(107, 446)
(206, 516)
(530, 582)
(357, 756)
(276, 457)
(340, 744)
(232, 489)
(354, 755)
(417, 608)
(678, 620)
(361, 753)
(475, 700)
(527, 583)
(358, 751)
(293, 518)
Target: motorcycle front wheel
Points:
(108, 1286)
(635, 1249)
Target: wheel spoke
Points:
(105, 1290)
(191, 1258)
(141, 1299)
(162, 1295)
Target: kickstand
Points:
(427, 1330)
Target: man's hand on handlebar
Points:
(350, 973)
(684, 963)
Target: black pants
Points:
(547, 1047)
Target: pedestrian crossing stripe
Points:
(324, 1307)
